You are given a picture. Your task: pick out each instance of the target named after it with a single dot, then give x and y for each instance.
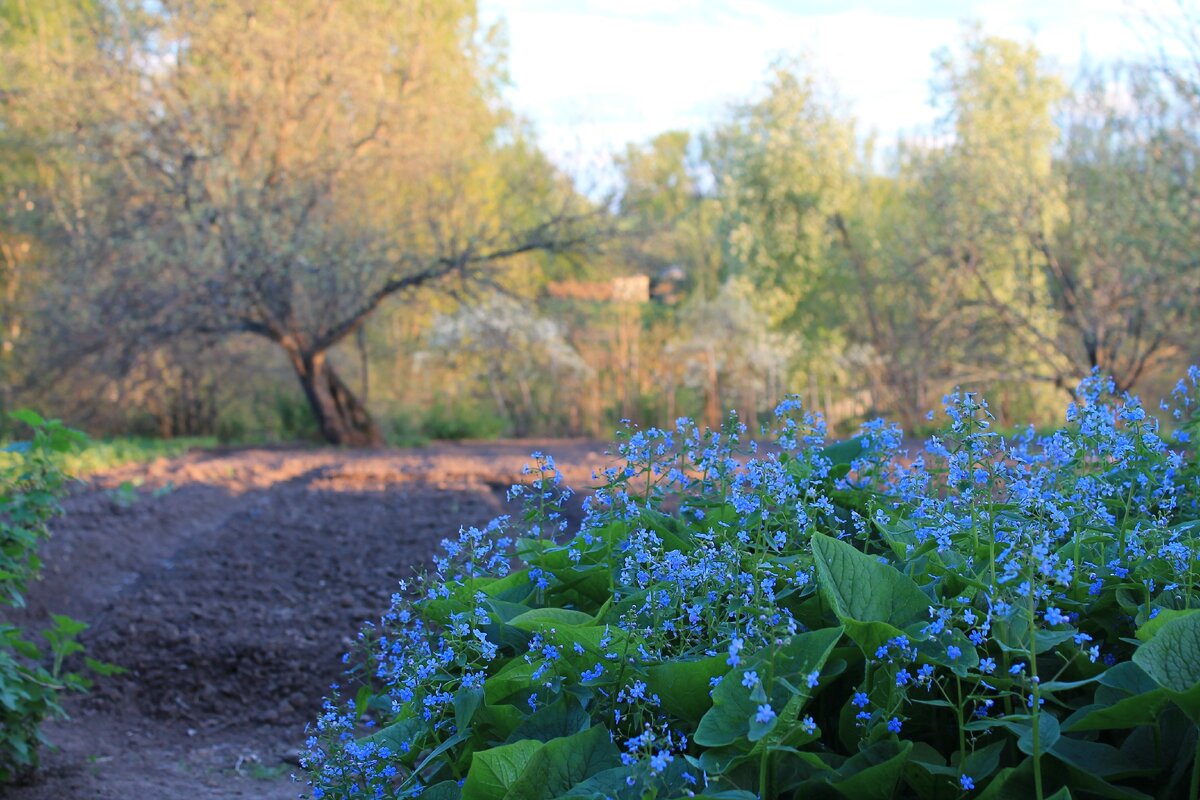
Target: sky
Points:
(593, 75)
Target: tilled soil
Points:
(228, 586)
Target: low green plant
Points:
(403, 429)
(454, 421)
(995, 616)
(84, 456)
(295, 417)
(32, 676)
(124, 495)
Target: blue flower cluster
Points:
(731, 617)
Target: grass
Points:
(105, 454)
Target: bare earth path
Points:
(229, 587)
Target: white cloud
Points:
(596, 74)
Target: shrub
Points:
(995, 617)
(402, 428)
(31, 681)
(455, 421)
(296, 420)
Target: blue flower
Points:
(1054, 616)
(735, 647)
(966, 782)
(765, 714)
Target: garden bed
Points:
(229, 584)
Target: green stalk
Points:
(962, 732)
(1194, 789)
(764, 775)
(1037, 696)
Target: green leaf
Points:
(541, 619)
(1126, 698)
(29, 417)
(514, 587)
(564, 717)
(733, 710)
(513, 677)
(1011, 783)
(605, 784)
(938, 652)
(494, 771)
(466, 702)
(446, 790)
(1048, 733)
(67, 626)
(399, 735)
(983, 761)
(497, 722)
(845, 451)
(1172, 659)
(1090, 785)
(1127, 678)
(873, 773)
(1095, 758)
(1022, 725)
(565, 763)
(1129, 712)
(874, 600)
(1165, 615)
(683, 686)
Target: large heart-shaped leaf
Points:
(683, 686)
(494, 771)
(1172, 659)
(873, 600)
(565, 763)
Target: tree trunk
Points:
(341, 418)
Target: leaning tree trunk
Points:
(341, 418)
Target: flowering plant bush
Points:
(993, 616)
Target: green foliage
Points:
(455, 421)
(32, 676)
(295, 418)
(403, 429)
(83, 456)
(1008, 616)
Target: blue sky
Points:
(595, 74)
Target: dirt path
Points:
(228, 586)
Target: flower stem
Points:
(1037, 695)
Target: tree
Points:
(281, 170)
(669, 214)
(1001, 196)
(783, 167)
(28, 31)
(1122, 264)
(838, 254)
(1074, 233)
